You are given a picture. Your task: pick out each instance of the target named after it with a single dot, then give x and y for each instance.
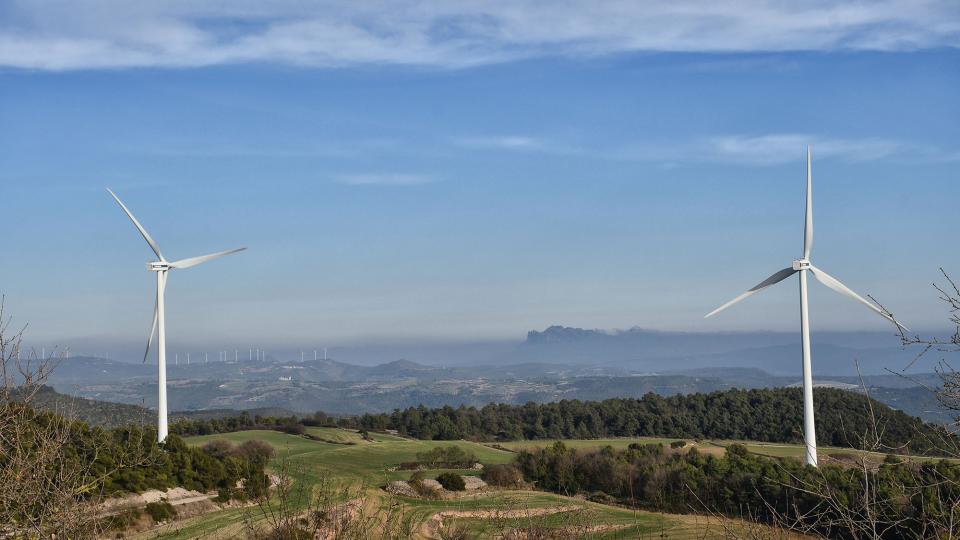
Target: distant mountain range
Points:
(110, 414)
(554, 364)
(341, 388)
(636, 349)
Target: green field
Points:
(586, 444)
(365, 466)
(346, 436)
(715, 447)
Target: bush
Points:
(451, 481)
(678, 444)
(293, 428)
(416, 482)
(219, 448)
(122, 521)
(257, 486)
(224, 494)
(502, 475)
(601, 497)
(452, 457)
(161, 511)
(255, 451)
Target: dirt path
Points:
(175, 496)
(188, 500)
(431, 529)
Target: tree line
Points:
(892, 499)
(129, 459)
(767, 415)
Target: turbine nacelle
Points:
(158, 266)
(801, 264)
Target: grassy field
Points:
(346, 436)
(715, 447)
(365, 465)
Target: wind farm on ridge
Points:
(484, 250)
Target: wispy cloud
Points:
(756, 150)
(506, 142)
(90, 34)
(384, 179)
(777, 148)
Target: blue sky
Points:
(409, 171)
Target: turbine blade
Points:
(193, 261)
(808, 217)
(153, 330)
(146, 235)
(835, 284)
(775, 278)
(156, 316)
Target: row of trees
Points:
(892, 500)
(129, 460)
(772, 415)
(245, 421)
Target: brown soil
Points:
(431, 528)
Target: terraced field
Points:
(715, 447)
(363, 466)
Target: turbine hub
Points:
(801, 264)
(158, 266)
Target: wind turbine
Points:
(161, 267)
(802, 266)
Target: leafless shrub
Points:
(328, 509)
(46, 489)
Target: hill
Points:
(90, 411)
(769, 415)
(110, 415)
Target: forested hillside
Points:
(129, 459)
(90, 411)
(771, 415)
(108, 414)
(57, 472)
(916, 499)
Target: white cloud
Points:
(777, 148)
(90, 34)
(757, 150)
(384, 179)
(507, 142)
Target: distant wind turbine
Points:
(161, 267)
(802, 266)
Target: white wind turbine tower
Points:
(161, 267)
(802, 266)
